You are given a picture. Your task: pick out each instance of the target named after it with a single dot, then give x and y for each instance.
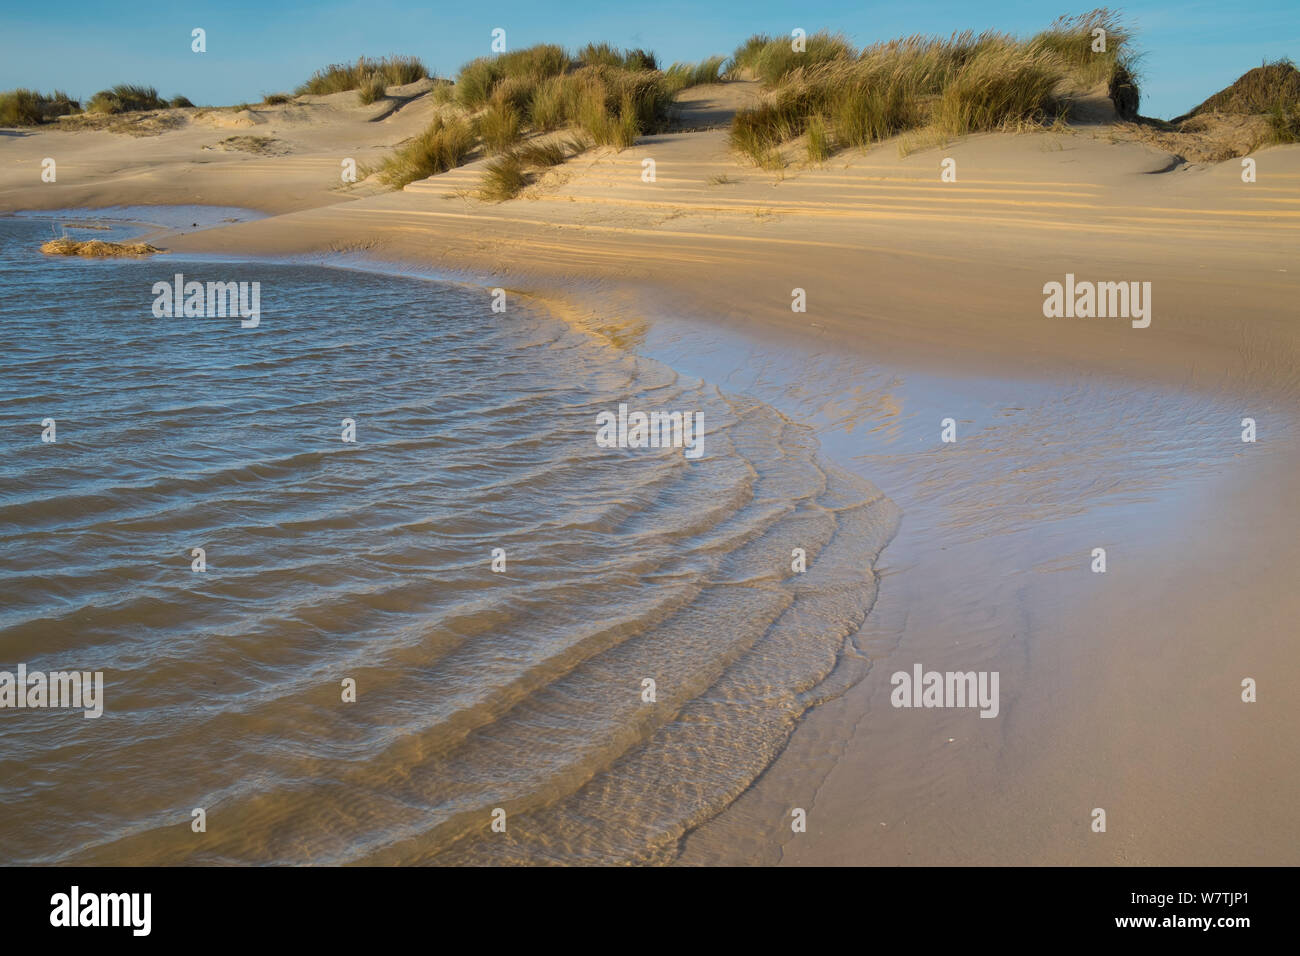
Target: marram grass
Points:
(966, 83)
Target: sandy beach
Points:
(925, 301)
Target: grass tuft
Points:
(603, 54)
(541, 154)
(605, 96)
(1265, 89)
(372, 88)
(341, 77)
(443, 146)
(126, 98)
(841, 97)
(527, 68)
(499, 125)
(503, 178)
(1006, 87)
(1071, 41)
(773, 59)
(23, 107)
(819, 140)
(681, 76)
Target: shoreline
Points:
(884, 318)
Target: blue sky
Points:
(1192, 49)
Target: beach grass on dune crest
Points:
(838, 97)
(613, 106)
(386, 71)
(499, 126)
(603, 54)
(679, 76)
(528, 67)
(772, 59)
(1006, 86)
(1074, 42)
(503, 104)
(1271, 90)
(372, 88)
(612, 95)
(1257, 91)
(23, 107)
(1261, 108)
(127, 98)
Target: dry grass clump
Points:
(372, 88)
(1284, 124)
(499, 126)
(608, 96)
(1210, 138)
(147, 123)
(613, 96)
(23, 107)
(1072, 41)
(96, 248)
(127, 98)
(680, 76)
(1008, 86)
(819, 140)
(542, 154)
(613, 106)
(966, 83)
(479, 78)
(388, 70)
(772, 59)
(745, 56)
(1271, 90)
(443, 146)
(1262, 108)
(505, 177)
(547, 110)
(1256, 91)
(603, 54)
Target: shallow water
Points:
(993, 569)
(372, 561)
